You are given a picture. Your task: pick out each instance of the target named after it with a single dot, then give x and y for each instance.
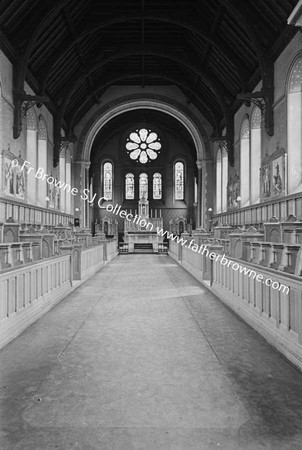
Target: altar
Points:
(141, 232)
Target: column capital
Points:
(83, 162)
(199, 164)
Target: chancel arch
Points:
(164, 177)
(157, 104)
(161, 104)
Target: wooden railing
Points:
(23, 213)
(28, 292)
(262, 212)
(275, 313)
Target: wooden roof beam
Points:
(81, 58)
(202, 32)
(21, 64)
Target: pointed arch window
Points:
(143, 186)
(179, 180)
(107, 180)
(255, 154)
(129, 186)
(245, 162)
(294, 132)
(157, 186)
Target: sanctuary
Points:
(142, 234)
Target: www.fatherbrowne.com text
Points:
(86, 195)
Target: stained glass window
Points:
(143, 145)
(108, 180)
(179, 180)
(157, 186)
(143, 186)
(129, 180)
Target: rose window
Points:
(143, 145)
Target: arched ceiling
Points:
(72, 50)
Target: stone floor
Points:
(143, 357)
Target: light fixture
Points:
(47, 198)
(238, 198)
(77, 209)
(210, 210)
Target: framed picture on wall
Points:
(265, 180)
(13, 178)
(273, 175)
(277, 176)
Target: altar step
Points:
(143, 248)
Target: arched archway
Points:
(129, 103)
(157, 103)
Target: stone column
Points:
(86, 204)
(80, 168)
(68, 181)
(199, 194)
(62, 178)
(207, 191)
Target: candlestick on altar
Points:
(160, 213)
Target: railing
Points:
(23, 213)
(112, 249)
(262, 212)
(27, 293)
(92, 259)
(275, 313)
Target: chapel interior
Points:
(151, 224)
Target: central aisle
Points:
(143, 357)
